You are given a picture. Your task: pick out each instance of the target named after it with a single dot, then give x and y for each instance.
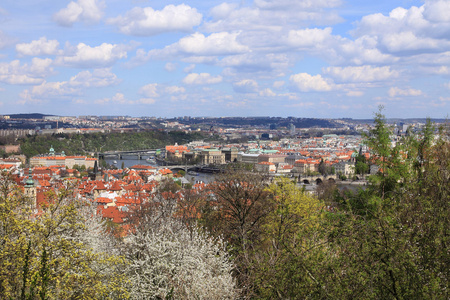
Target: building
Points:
(305, 166)
(63, 161)
(175, 152)
(230, 154)
(212, 157)
(11, 161)
(345, 168)
(272, 158)
(266, 167)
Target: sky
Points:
(300, 58)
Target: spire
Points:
(30, 181)
(95, 168)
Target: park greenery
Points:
(77, 144)
(245, 237)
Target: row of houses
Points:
(272, 161)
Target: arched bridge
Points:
(138, 153)
(317, 179)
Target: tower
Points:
(30, 188)
(51, 151)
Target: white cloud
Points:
(38, 47)
(223, 10)
(278, 84)
(84, 55)
(267, 93)
(98, 78)
(361, 51)
(361, 73)
(49, 90)
(149, 90)
(443, 70)
(175, 89)
(202, 47)
(75, 86)
(89, 11)
(307, 83)
(118, 98)
(153, 91)
(408, 41)
(189, 68)
(216, 44)
(289, 4)
(275, 64)
(410, 31)
(170, 67)
(310, 37)
(245, 86)
(437, 11)
(147, 21)
(202, 78)
(15, 73)
(395, 91)
(270, 18)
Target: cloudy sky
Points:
(302, 58)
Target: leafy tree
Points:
(361, 165)
(390, 241)
(285, 266)
(324, 169)
(61, 252)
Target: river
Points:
(205, 177)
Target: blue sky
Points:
(302, 58)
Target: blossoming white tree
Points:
(167, 260)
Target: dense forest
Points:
(243, 237)
(73, 144)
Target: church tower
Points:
(30, 188)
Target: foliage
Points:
(392, 239)
(73, 144)
(245, 234)
(361, 165)
(235, 210)
(57, 253)
(292, 240)
(169, 259)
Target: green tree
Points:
(361, 165)
(287, 263)
(389, 242)
(61, 252)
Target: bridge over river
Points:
(139, 154)
(316, 179)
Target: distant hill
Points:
(28, 116)
(397, 120)
(261, 121)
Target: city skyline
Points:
(318, 59)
